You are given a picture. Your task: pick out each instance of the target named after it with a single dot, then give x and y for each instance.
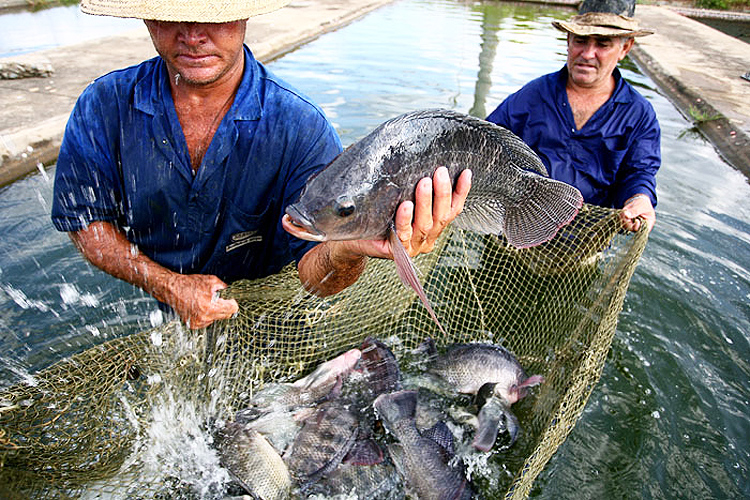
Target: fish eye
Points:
(344, 206)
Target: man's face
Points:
(201, 53)
(591, 59)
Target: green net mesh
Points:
(82, 428)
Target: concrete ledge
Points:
(732, 144)
(699, 69)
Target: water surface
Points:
(669, 418)
(26, 31)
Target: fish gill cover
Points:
(87, 425)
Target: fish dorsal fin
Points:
(442, 435)
(482, 214)
(408, 273)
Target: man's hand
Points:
(334, 265)
(419, 224)
(638, 206)
(195, 298)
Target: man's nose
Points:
(192, 33)
(589, 50)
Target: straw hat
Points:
(602, 24)
(604, 18)
(198, 11)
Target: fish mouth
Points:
(296, 224)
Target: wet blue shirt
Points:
(614, 156)
(124, 160)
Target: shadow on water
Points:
(668, 418)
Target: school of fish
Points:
(357, 426)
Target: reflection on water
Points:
(669, 416)
(24, 31)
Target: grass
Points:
(702, 116)
(733, 5)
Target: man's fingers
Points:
(422, 209)
(463, 185)
(404, 216)
(442, 199)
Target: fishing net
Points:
(84, 426)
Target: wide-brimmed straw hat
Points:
(602, 24)
(195, 11)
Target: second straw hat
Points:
(604, 18)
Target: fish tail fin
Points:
(408, 273)
(397, 406)
(512, 426)
(489, 419)
(546, 206)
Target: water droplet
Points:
(156, 338)
(156, 318)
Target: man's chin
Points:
(192, 76)
(583, 77)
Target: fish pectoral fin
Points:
(364, 452)
(408, 273)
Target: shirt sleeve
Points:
(85, 187)
(637, 174)
(317, 144)
(501, 116)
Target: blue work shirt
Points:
(613, 157)
(124, 159)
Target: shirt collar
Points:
(150, 88)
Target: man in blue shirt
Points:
(174, 174)
(590, 127)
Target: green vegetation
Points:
(736, 5)
(35, 5)
(702, 116)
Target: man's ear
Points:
(626, 46)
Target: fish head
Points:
(352, 198)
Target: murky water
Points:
(668, 419)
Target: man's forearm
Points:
(106, 247)
(329, 268)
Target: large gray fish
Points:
(325, 439)
(423, 461)
(493, 372)
(278, 410)
(379, 481)
(356, 195)
(254, 463)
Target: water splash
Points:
(24, 302)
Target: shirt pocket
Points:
(243, 243)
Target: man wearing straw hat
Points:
(173, 174)
(591, 128)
